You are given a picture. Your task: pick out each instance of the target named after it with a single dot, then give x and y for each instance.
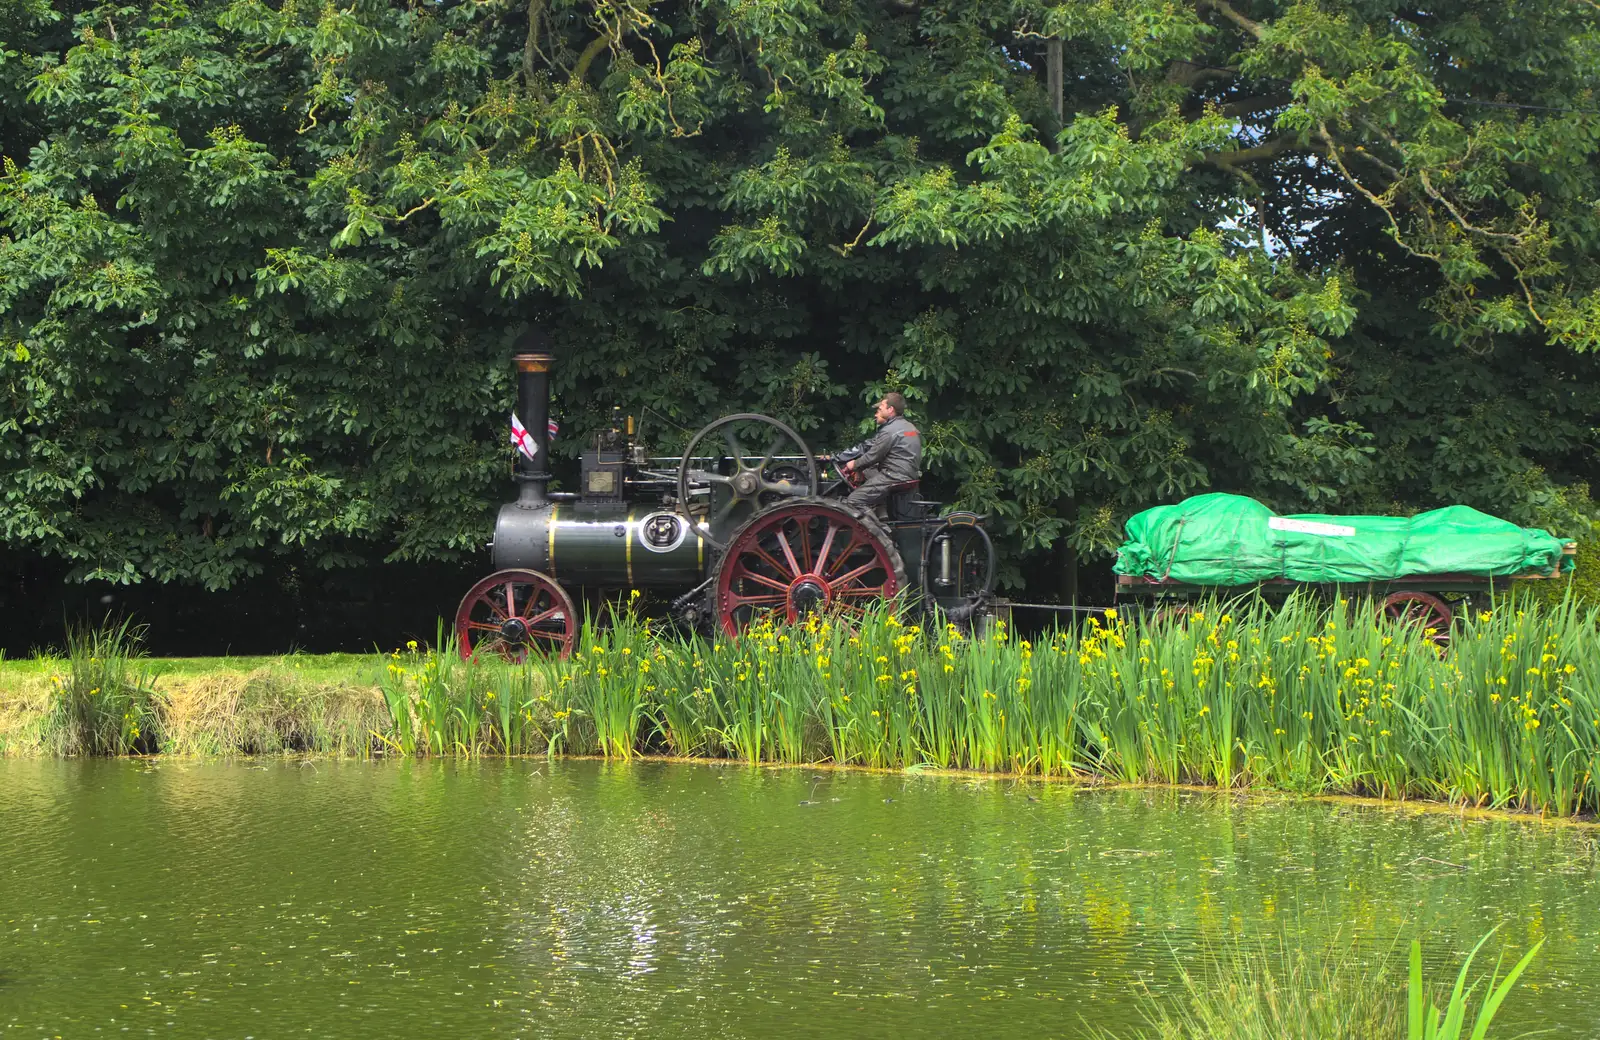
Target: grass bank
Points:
(1312, 699)
(104, 699)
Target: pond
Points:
(579, 898)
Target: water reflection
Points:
(586, 899)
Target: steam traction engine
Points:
(743, 526)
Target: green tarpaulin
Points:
(1231, 540)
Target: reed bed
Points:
(1310, 698)
(1304, 697)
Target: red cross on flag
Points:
(522, 439)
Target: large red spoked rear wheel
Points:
(1428, 612)
(790, 561)
(513, 613)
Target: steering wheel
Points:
(759, 480)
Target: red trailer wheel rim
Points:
(1175, 613)
(514, 612)
(1423, 609)
(794, 560)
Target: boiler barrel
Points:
(607, 544)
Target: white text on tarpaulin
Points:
(1283, 523)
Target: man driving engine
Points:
(892, 455)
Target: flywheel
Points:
(745, 478)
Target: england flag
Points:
(522, 439)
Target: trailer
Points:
(1423, 569)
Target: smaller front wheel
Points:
(514, 612)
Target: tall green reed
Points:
(1238, 991)
(685, 720)
(512, 699)
(1427, 1021)
(441, 704)
(609, 679)
(104, 703)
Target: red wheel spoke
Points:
(767, 558)
(547, 615)
(762, 579)
(788, 555)
(852, 575)
(844, 555)
(758, 599)
(494, 608)
(820, 562)
(1423, 610)
(813, 541)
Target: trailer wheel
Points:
(1428, 612)
(512, 613)
(787, 562)
(1171, 612)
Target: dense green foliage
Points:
(261, 262)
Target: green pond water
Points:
(582, 899)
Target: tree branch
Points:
(1258, 103)
(590, 53)
(1189, 74)
(413, 211)
(845, 249)
(1225, 9)
(1372, 157)
(1350, 179)
(530, 46)
(1266, 150)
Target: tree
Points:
(262, 263)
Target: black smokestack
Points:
(534, 360)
